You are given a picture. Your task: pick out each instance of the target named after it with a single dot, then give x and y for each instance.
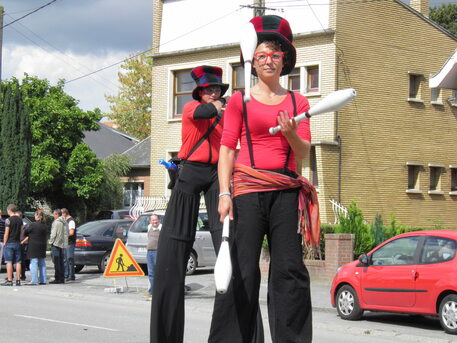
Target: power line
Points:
(36, 10)
(148, 50)
(59, 57)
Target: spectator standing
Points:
(25, 265)
(59, 242)
(2, 234)
(11, 241)
(36, 234)
(153, 239)
(70, 251)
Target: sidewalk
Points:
(201, 286)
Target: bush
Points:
(354, 223)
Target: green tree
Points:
(64, 170)
(131, 107)
(446, 16)
(15, 146)
(112, 189)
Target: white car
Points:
(201, 255)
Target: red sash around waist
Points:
(249, 180)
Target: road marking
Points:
(62, 322)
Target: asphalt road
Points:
(84, 311)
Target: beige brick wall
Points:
(380, 42)
(374, 46)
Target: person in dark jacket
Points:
(36, 235)
(2, 233)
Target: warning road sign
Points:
(121, 262)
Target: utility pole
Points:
(259, 8)
(1, 39)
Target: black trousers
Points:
(59, 267)
(175, 243)
(235, 315)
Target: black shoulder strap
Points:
(248, 134)
(294, 102)
(201, 140)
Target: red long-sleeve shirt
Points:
(194, 129)
(270, 151)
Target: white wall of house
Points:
(190, 24)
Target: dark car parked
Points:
(113, 214)
(95, 240)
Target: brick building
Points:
(391, 150)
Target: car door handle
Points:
(415, 274)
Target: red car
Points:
(414, 272)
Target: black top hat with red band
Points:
(275, 28)
(205, 76)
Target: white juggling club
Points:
(223, 267)
(332, 102)
(248, 44)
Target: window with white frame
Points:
(435, 178)
(305, 79)
(415, 86)
(183, 84)
(312, 79)
(436, 96)
(453, 180)
(294, 80)
(132, 190)
(414, 170)
(237, 77)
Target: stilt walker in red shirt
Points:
(267, 198)
(201, 135)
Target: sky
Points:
(71, 38)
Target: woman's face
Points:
(268, 60)
(210, 94)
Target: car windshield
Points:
(141, 224)
(91, 228)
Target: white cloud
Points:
(90, 91)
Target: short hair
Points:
(12, 208)
(58, 211)
(65, 212)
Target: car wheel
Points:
(191, 264)
(448, 314)
(104, 262)
(78, 267)
(347, 303)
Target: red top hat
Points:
(205, 76)
(275, 28)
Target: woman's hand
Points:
(225, 207)
(288, 125)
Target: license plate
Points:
(142, 250)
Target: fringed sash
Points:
(248, 180)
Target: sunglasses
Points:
(262, 56)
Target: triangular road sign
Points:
(121, 262)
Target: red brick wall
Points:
(338, 251)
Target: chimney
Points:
(420, 6)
